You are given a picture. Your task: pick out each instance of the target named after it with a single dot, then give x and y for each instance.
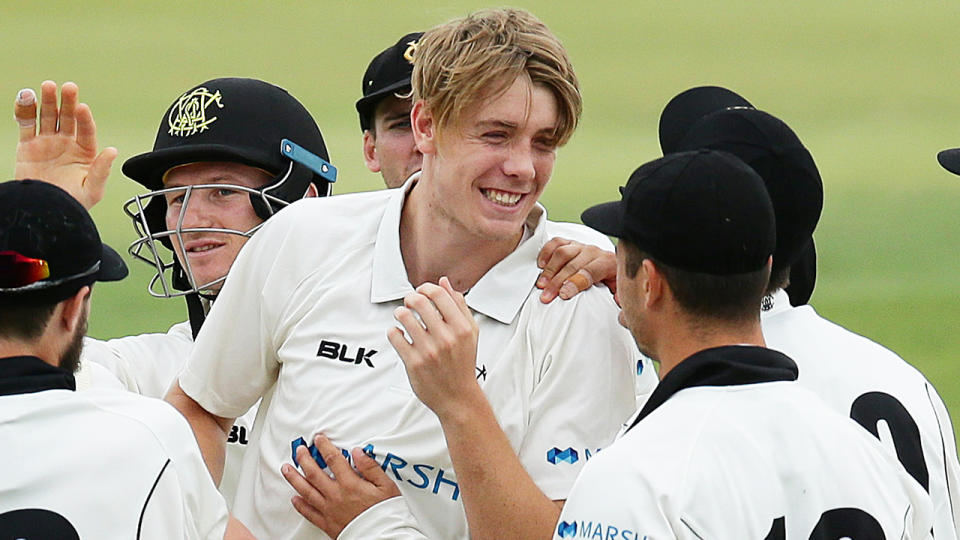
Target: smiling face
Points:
(389, 147)
(484, 174)
(210, 254)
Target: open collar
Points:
(29, 374)
(499, 294)
(732, 365)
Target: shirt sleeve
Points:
(607, 503)
(387, 520)
(584, 390)
(145, 364)
(184, 502)
(947, 518)
(234, 359)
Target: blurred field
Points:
(871, 87)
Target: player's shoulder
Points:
(157, 422)
(333, 211)
(576, 232)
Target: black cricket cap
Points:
(388, 73)
(950, 160)
(702, 211)
(41, 221)
(230, 119)
(774, 151)
(689, 106)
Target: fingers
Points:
(67, 122)
(48, 108)
(575, 284)
(370, 470)
(25, 111)
(85, 128)
(546, 252)
(309, 513)
(334, 459)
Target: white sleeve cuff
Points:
(387, 520)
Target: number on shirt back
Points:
(835, 524)
(868, 409)
(35, 524)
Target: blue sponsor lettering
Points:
(419, 475)
(639, 366)
(442, 480)
(389, 460)
(598, 530)
(568, 456)
(418, 469)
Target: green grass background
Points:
(870, 86)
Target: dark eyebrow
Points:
(497, 124)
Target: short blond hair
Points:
(466, 61)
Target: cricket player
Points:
(679, 116)
(99, 464)
(729, 444)
(217, 171)
(480, 434)
(853, 375)
(388, 148)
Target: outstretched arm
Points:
(63, 151)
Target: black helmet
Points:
(237, 120)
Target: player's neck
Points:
(11, 348)
(433, 246)
(687, 339)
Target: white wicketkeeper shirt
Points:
(102, 464)
(863, 380)
(302, 320)
(730, 446)
(147, 364)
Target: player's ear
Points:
(311, 191)
(370, 151)
(424, 128)
(652, 283)
(71, 313)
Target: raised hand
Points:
(63, 151)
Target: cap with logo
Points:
(774, 151)
(702, 211)
(388, 73)
(49, 245)
(245, 121)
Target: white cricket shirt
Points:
(102, 464)
(560, 377)
(863, 380)
(147, 364)
(729, 447)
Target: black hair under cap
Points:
(703, 211)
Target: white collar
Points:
(775, 303)
(499, 294)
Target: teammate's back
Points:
(110, 464)
(869, 383)
(752, 461)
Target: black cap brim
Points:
(950, 160)
(605, 217)
(367, 104)
(148, 169)
(112, 267)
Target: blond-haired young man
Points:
(503, 423)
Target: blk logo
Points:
(569, 455)
(567, 530)
(238, 435)
(336, 351)
(482, 372)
